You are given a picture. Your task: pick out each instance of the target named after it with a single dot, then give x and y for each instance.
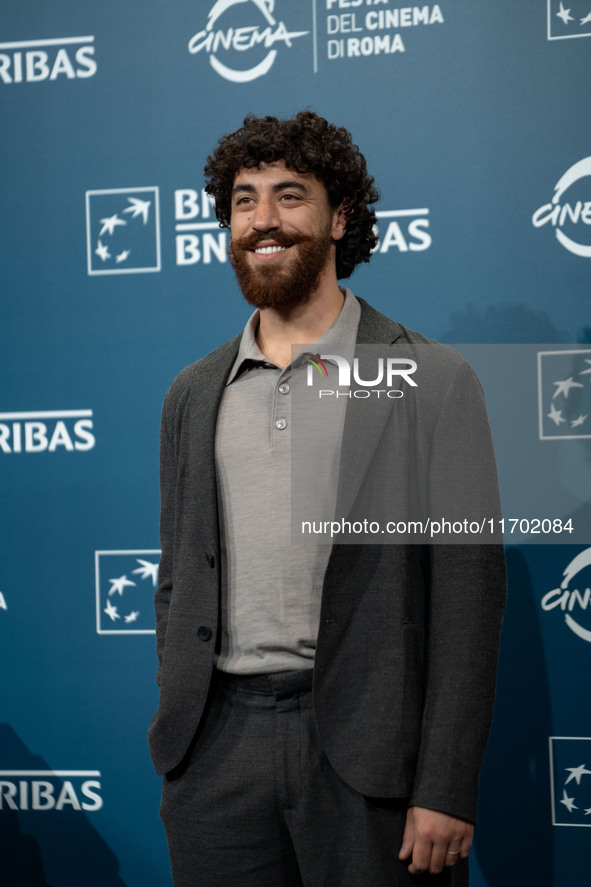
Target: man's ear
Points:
(340, 217)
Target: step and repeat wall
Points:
(474, 118)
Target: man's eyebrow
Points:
(288, 184)
(241, 189)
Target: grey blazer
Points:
(408, 639)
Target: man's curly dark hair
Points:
(307, 144)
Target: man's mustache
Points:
(251, 241)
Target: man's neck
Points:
(301, 325)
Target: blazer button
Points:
(204, 633)
(210, 559)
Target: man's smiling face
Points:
(283, 235)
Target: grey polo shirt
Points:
(271, 588)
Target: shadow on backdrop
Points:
(47, 848)
(514, 837)
(504, 323)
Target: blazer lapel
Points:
(365, 417)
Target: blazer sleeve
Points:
(168, 476)
(465, 609)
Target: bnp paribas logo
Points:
(566, 20)
(564, 394)
(124, 589)
(122, 231)
(570, 780)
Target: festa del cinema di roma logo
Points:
(259, 36)
(569, 218)
(570, 599)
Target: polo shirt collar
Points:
(343, 331)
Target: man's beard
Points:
(270, 286)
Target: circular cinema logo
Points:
(573, 598)
(253, 36)
(569, 213)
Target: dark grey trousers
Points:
(257, 804)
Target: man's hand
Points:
(434, 840)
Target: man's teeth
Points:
(265, 250)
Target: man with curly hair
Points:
(323, 709)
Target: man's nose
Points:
(265, 216)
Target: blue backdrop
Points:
(474, 120)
